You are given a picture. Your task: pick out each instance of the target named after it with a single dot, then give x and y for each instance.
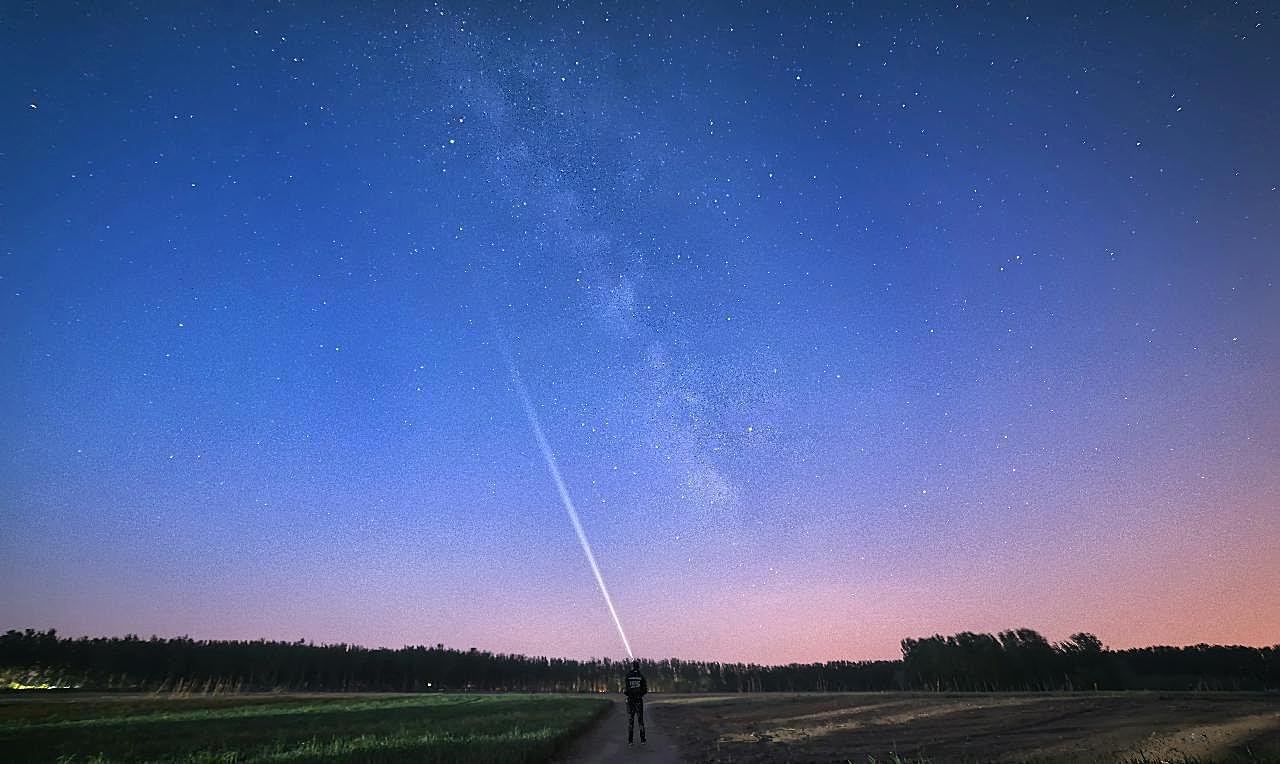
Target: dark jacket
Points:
(635, 686)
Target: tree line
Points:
(1022, 659)
(1019, 659)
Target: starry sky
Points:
(845, 323)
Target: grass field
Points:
(1129, 728)
(291, 728)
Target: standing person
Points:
(635, 687)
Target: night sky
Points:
(844, 324)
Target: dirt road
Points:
(607, 740)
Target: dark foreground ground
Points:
(606, 742)
(853, 727)
(1086, 727)
(291, 728)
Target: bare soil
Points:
(1083, 727)
(606, 741)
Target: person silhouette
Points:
(635, 687)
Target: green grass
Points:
(419, 728)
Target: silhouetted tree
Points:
(1019, 659)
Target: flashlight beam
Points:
(550, 458)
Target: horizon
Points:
(841, 324)
(624, 660)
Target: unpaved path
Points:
(607, 740)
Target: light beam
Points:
(550, 458)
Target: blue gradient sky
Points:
(846, 324)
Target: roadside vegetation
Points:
(285, 728)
